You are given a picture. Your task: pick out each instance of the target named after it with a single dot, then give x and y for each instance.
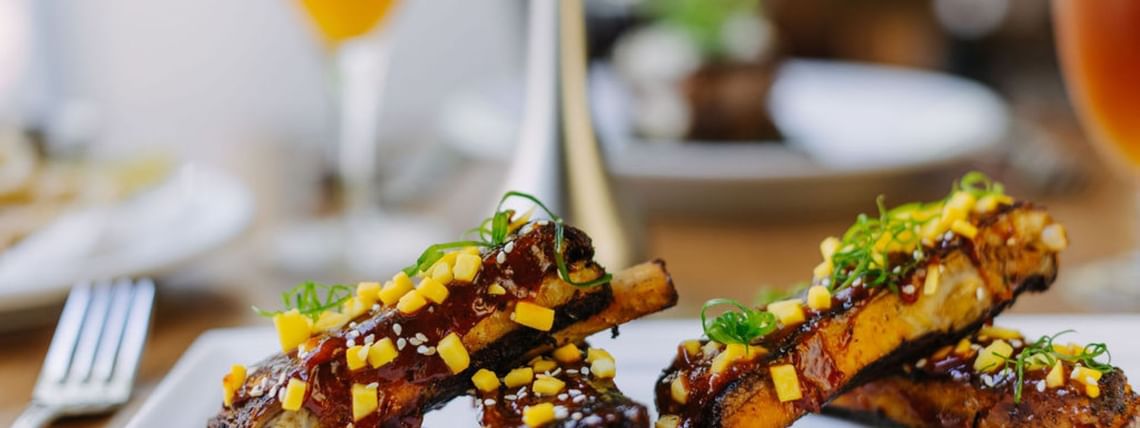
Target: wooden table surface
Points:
(707, 259)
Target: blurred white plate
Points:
(850, 128)
(191, 393)
(194, 210)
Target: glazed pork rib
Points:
(572, 387)
(979, 269)
(516, 304)
(963, 386)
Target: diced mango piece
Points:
(354, 307)
(231, 383)
(679, 390)
(933, 279)
(818, 298)
(822, 270)
(963, 347)
(828, 246)
(381, 353)
(368, 292)
(449, 258)
(542, 365)
(466, 267)
(533, 316)
(1054, 237)
(568, 353)
(496, 290)
(453, 353)
(395, 289)
(472, 250)
(1085, 375)
(294, 395)
(593, 354)
(356, 356)
(668, 421)
(518, 377)
(958, 207)
(292, 329)
(993, 356)
(996, 332)
(711, 348)
(989, 203)
(732, 353)
(330, 320)
(411, 302)
(603, 368)
(364, 401)
(440, 272)
(538, 414)
(789, 312)
(1070, 349)
(485, 380)
(1093, 391)
(786, 381)
(964, 228)
(1056, 376)
(547, 385)
(433, 290)
(692, 347)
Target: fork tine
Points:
(66, 333)
(84, 356)
(113, 330)
(134, 334)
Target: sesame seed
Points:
(572, 371)
(563, 396)
(350, 343)
(353, 324)
(908, 289)
(574, 392)
(585, 371)
(921, 363)
(398, 329)
(1062, 391)
(1016, 343)
(273, 391)
(1040, 386)
(561, 412)
(423, 349)
(421, 337)
(489, 402)
(352, 334)
(556, 371)
(431, 350)
(980, 294)
(541, 222)
(510, 397)
(401, 343)
(501, 258)
(369, 339)
(509, 247)
(1011, 242)
(948, 235)
(375, 307)
(373, 385)
(576, 416)
(362, 353)
(579, 399)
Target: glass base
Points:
(1110, 285)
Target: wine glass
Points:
(364, 239)
(1099, 46)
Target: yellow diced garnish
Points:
(294, 395)
(996, 332)
(368, 292)
(963, 348)
(538, 414)
(732, 353)
(989, 203)
(964, 228)
(993, 357)
(496, 290)
(1056, 376)
(1085, 375)
(466, 267)
(828, 246)
(382, 353)
(542, 365)
(1093, 391)
(593, 354)
(354, 307)
(679, 390)
(603, 368)
(786, 381)
(933, 230)
(411, 302)
(433, 290)
(754, 351)
(292, 329)
(534, 316)
(485, 380)
(472, 250)
(818, 298)
(822, 270)
(933, 278)
(364, 401)
(330, 320)
(1054, 237)
(449, 258)
(356, 356)
(692, 347)
(1071, 349)
(231, 383)
(395, 289)
(668, 421)
(942, 352)
(547, 385)
(453, 353)
(568, 353)
(518, 377)
(789, 312)
(958, 207)
(440, 272)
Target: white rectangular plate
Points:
(191, 393)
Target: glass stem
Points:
(361, 66)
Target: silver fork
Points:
(94, 354)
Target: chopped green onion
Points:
(306, 299)
(1042, 348)
(742, 325)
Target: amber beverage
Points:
(339, 20)
(1099, 46)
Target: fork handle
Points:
(36, 415)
